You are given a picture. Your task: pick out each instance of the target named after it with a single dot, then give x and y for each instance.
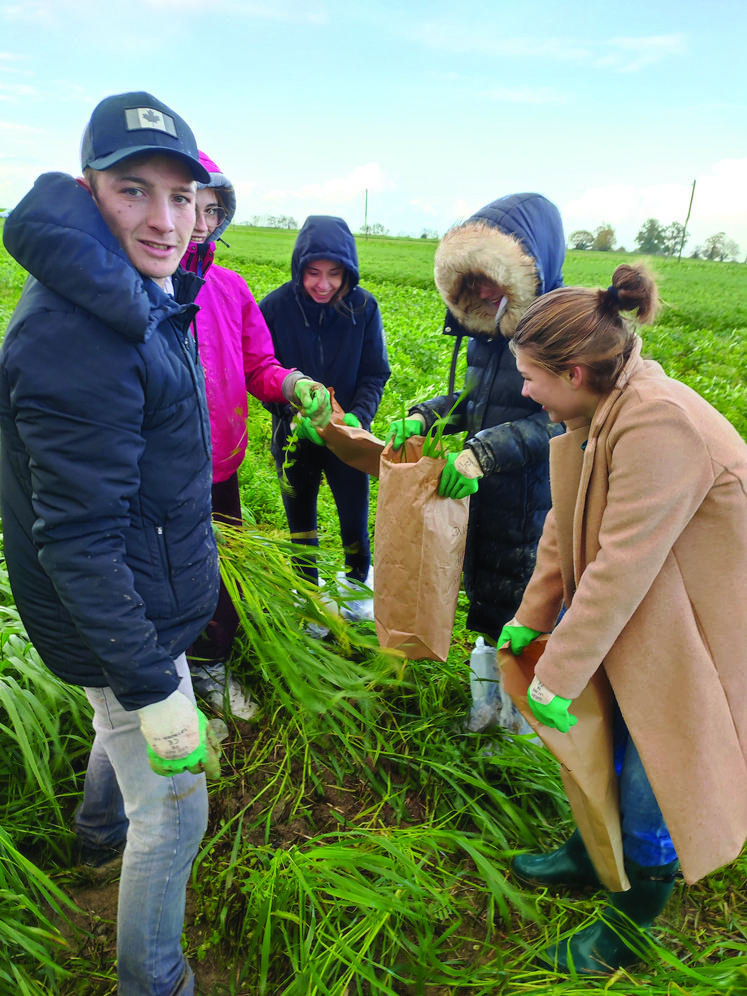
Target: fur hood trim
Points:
(477, 248)
(517, 242)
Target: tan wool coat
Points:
(646, 545)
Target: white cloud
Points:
(338, 190)
(719, 204)
(461, 36)
(56, 12)
(622, 54)
(523, 95)
(17, 130)
(294, 11)
(15, 91)
(631, 54)
(425, 207)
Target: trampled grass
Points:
(360, 837)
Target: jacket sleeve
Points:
(280, 409)
(80, 421)
(453, 405)
(374, 370)
(512, 445)
(263, 372)
(543, 596)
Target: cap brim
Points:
(196, 168)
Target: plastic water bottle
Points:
(484, 683)
(491, 704)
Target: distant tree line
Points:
(602, 239)
(273, 221)
(655, 239)
(377, 229)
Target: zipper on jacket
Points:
(165, 566)
(190, 349)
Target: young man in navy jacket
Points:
(106, 478)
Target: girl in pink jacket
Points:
(237, 356)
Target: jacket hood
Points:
(517, 242)
(323, 236)
(219, 181)
(57, 234)
(199, 255)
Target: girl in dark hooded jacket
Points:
(325, 323)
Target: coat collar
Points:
(609, 400)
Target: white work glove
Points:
(179, 737)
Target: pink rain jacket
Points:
(235, 345)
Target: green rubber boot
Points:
(616, 939)
(569, 865)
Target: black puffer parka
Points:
(508, 433)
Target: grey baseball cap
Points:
(129, 124)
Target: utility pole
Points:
(365, 216)
(684, 230)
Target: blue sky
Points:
(434, 108)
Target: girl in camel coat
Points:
(646, 546)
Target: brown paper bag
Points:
(586, 760)
(418, 553)
(356, 447)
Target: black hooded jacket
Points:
(342, 344)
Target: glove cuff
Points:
(171, 727)
(289, 385)
(540, 693)
(468, 464)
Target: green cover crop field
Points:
(359, 839)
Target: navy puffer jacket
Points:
(518, 242)
(342, 344)
(106, 470)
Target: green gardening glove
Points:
(314, 401)
(305, 430)
(549, 708)
(402, 429)
(454, 483)
(518, 636)
(352, 420)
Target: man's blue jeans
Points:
(164, 820)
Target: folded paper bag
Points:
(586, 757)
(356, 447)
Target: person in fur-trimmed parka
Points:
(488, 270)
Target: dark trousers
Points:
(349, 489)
(214, 644)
